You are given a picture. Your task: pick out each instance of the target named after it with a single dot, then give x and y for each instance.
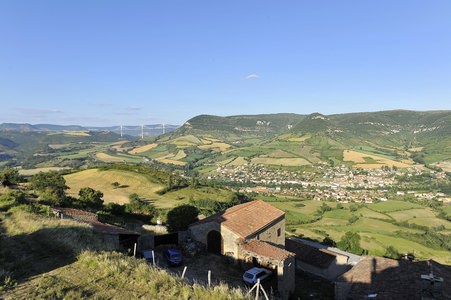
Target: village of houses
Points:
(342, 183)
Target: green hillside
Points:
(394, 138)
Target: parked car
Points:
(173, 257)
(148, 256)
(252, 275)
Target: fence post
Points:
(209, 278)
(184, 271)
(258, 289)
(134, 251)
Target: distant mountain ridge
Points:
(149, 130)
(400, 135)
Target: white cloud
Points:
(131, 107)
(252, 76)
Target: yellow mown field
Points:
(108, 158)
(216, 145)
(102, 181)
(237, 161)
(73, 133)
(173, 159)
(289, 162)
(359, 158)
(142, 149)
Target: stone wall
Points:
(274, 233)
(200, 231)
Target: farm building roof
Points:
(320, 258)
(91, 219)
(246, 219)
(265, 249)
(393, 279)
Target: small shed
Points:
(114, 237)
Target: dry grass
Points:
(299, 139)
(72, 133)
(33, 245)
(102, 180)
(143, 148)
(187, 141)
(359, 158)
(218, 146)
(173, 158)
(289, 162)
(417, 149)
(108, 158)
(279, 154)
(30, 172)
(238, 161)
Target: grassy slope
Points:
(46, 258)
(374, 225)
(132, 182)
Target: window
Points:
(279, 232)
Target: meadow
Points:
(134, 182)
(379, 225)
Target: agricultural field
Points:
(102, 181)
(131, 182)
(364, 160)
(117, 158)
(393, 205)
(375, 223)
(287, 162)
(31, 172)
(142, 149)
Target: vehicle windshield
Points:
(247, 275)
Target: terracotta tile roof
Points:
(265, 249)
(246, 219)
(392, 279)
(320, 258)
(110, 229)
(74, 212)
(91, 219)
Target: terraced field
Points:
(376, 225)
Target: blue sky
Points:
(113, 62)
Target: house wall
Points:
(342, 290)
(110, 241)
(286, 276)
(230, 243)
(199, 232)
(270, 233)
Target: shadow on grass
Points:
(26, 255)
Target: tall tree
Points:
(350, 242)
(51, 186)
(9, 176)
(180, 217)
(90, 198)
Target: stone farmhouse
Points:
(253, 232)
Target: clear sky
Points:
(107, 62)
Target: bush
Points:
(181, 217)
(350, 242)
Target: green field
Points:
(392, 206)
(375, 225)
(133, 182)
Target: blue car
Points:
(173, 257)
